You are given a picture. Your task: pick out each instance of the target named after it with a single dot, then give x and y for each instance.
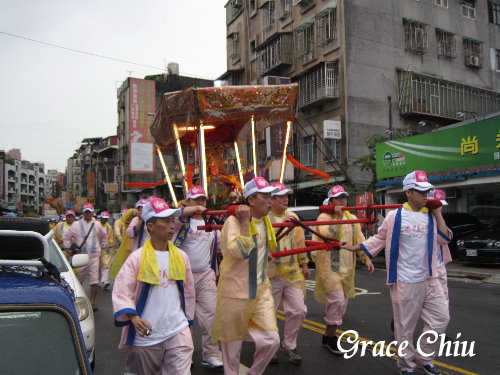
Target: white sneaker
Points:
(212, 362)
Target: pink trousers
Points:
(335, 308)
(443, 279)
(206, 300)
(266, 345)
(91, 270)
(294, 306)
(410, 302)
(172, 356)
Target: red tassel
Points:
(143, 184)
(296, 164)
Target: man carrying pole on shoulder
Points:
(245, 305)
(288, 275)
(410, 235)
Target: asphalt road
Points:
(474, 309)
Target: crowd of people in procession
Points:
(165, 271)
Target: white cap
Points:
(438, 194)
(140, 203)
(336, 191)
(88, 207)
(417, 180)
(326, 202)
(157, 207)
(196, 192)
(105, 215)
(282, 189)
(258, 185)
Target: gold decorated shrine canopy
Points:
(223, 111)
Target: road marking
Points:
(310, 284)
(320, 328)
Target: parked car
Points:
(58, 259)
(460, 223)
(481, 246)
(39, 325)
(485, 214)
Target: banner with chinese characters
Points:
(471, 145)
(141, 102)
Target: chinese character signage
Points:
(471, 145)
(141, 102)
(332, 129)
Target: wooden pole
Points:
(285, 145)
(167, 177)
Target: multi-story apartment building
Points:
(138, 159)
(91, 173)
(366, 67)
(22, 185)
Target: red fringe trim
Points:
(296, 164)
(143, 184)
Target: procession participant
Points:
(61, 228)
(201, 248)
(334, 288)
(108, 251)
(151, 295)
(88, 237)
(119, 228)
(245, 305)
(288, 274)
(443, 251)
(410, 236)
(125, 247)
(137, 228)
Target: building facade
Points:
(22, 185)
(138, 167)
(366, 67)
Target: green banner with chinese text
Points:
(471, 145)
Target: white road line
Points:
(310, 284)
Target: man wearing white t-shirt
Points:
(201, 248)
(410, 235)
(151, 295)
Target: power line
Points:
(80, 51)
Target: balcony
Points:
(319, 84)
(427, 95)
(276, 54)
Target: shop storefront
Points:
(461, 159)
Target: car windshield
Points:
(38, 342)
(494, 224)
(56, 257)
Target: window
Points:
(498, 59)
(285, 9)
(468, 9)
(319, 84)
(309, 150)
(326, 28)
(423, 94)
(446, 44)
(495, 13)
(253, 52)
(442, 3)
(276, 53)
(268, 19)
(473, 53)
(304, 38)
(332, 153)
(235, 46)
(415, 36)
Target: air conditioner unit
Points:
(472, 60)
(276, 80)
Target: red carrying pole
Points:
(324, 246)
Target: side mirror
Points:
(80, 260)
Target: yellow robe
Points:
(125, 246)
(289, 267)
(341, 279)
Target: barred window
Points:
(415, 36)
(268, 19)
(285, 8)
(473, 53)
(495, 13)
(446, 44)
(333, 151)
(326, 28)
(309, 151)
(319, 84)
(304, 38)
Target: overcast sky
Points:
(52, 98)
